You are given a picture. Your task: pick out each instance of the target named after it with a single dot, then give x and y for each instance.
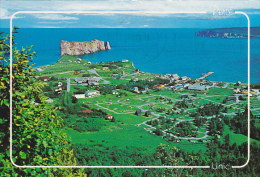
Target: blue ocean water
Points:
(154, 50)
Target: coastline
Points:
(174, 51)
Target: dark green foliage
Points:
(80, 90)
(47, 89)
(184, 129)
(181, 104)
(216, 126)
(207, 110)
(154, 122)
(239, 124)
(74, 99)
(106, 89)
(160, 109)
(241, 98)
(36, 138)
(54, 79)
(199, 121)
(254, 86)
(82, 124)
(86, 75)
(158, 132)
(184, 96)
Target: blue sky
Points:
(219, 14)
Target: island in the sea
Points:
(82, 48)
(230, 32)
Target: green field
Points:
(130, 130)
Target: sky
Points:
(130, 14)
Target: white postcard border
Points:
(118, 12)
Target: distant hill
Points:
(230, 32)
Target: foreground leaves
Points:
(36, 136)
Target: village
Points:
(162, 105)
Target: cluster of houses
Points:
(139, 113)
(107, 117)
(175, 77)
(46, 78)
(88, 94)
(136, 90)
(76, 72)
(184, 82)
(88, 80)
(59, 89)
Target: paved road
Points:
(94, 72)
(58, 73)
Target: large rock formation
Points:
(81, 48)
(107, 46)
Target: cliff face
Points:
(81, 48)
(107, 46)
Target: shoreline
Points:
(76, 56)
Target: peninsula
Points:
(81, 48)
(110, 106)
(230, 33)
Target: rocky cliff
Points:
(81, 48)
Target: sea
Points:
(154, 50)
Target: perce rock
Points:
(81, 48)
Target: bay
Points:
(160, 50)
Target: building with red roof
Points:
(87, 111)
(109, 117)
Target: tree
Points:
(36, 139)
(158, 132)
(74, 99)
(226, 139)
(171, 156)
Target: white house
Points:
(114, 92)
(144, 91)
(175, 76)
(59, 84)
(135, 89)
(124, 61)
(184, 78)
(92, 93)
(196, 87)
(80, 96)
(185, 85)
(105, 68)
(109, 116)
